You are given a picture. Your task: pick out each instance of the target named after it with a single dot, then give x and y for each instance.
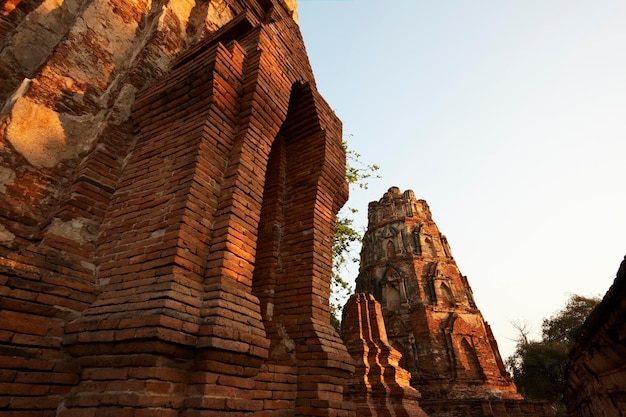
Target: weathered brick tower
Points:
(430, 314)
(169, 179)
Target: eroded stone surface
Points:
(36, 132)
(6, 237)
(78, 230)
(7, 176)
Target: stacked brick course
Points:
(430, 315)
(596, 372)
(169, 179)
(166, 229)
(379, 386)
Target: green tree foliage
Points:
(565, 324)
(538, 370)
(538, 366)
(346, 236)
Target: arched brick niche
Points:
(293, 265)
(152, 294)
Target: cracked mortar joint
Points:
(45, 137)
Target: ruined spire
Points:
(429, 311)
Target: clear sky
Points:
(507, 117)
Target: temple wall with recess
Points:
(169, 178)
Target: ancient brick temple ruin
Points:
(379, 386)
(596, 373)
(169, 179)
(430, 315)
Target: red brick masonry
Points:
(596, 373)
(180, 265)
(379, 386)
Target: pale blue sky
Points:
(507, 116)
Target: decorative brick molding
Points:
(379, 387)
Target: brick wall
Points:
(178, 262)
(596, 372)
